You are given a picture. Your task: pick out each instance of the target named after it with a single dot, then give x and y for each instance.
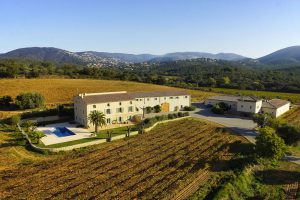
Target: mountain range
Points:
(93, 57)
(286, 56)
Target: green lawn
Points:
(101, 135)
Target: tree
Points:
(259, 119)
(30, 100)
(269, 145)
(225, 80)
(5, 101)
(36, 135)
(289, 133)
(97, 118)
(212, 82)
(15, 120)
(30, 126)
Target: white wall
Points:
(283, 109)
(81, 110)
(174, 101)
(249, 107)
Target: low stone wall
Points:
(86, 144)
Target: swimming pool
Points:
(62, 132)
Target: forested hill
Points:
(187, 73)
(219, 73)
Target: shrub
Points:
(289, 133)
(157, 108)
(180, 114)
(14, 120)
(189, 108)
(136, 119)
(148, 109)
(170, 116)
(186, 114)
(5, 101)
(217, 109)
(30, 100)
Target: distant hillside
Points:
(195, 55)
(43, 54)
(93, 58)
(286, 56)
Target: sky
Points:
(252, 28)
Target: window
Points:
(148, 99)
(136, 109)
(108, 120)
(130, 109)
(119, 110)
(120, 103)
(120, 119)
(108, 104)
(107, 111)
(242, 106)
(177, 97)
(155, 99)
(141, 99)
(94, 106)
(165, 98)
(130, 102)
(186, 97)
(171, 97)
(137, 99)
(181, 106)
(250, 107)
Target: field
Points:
(294, 97)
(63, 90)
(155, 165)
(13, 154)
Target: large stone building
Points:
(120, 107)
(248, 104)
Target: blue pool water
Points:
(62, 132)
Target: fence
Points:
(100, 141)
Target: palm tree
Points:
(97, 118)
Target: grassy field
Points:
(294, 97)
(63, 90)
(13, 154)
(156, 165)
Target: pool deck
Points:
(51, 138)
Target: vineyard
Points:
(293, 116)
(156, 165)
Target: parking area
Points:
(242, 125)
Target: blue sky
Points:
(249, 27)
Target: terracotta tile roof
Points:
(103, 98)
(274, 103)
(235, 98)
(249, 98)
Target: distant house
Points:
(249, 104)
(120, 107)
(275, 107)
